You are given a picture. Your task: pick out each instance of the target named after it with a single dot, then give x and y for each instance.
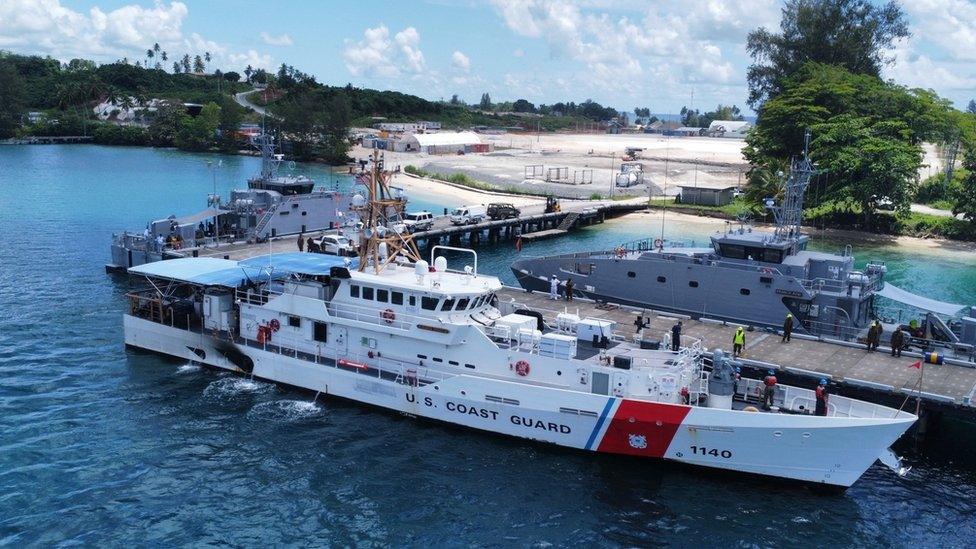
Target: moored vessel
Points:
(392, 330)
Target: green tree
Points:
(485, 103)
(971, 108)
(231, 115)
(854, 34)
(197, 134)
(12, 94)
(198, 65)
(871, 161)
(964, 196)
(185, 63)
(166, 123)
(522, 105)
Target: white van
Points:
(466, 215)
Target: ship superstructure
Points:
(432, 340)
(272, 205)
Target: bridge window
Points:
(413, 301)
(354, 291)
(463, 304)
(447, 305)
(429, 303)
(383, 295)
(745, 291)
(367, 293)
(661, 279)
(766, 279)
(397, 298)
(693, 283)
(631, 274)
(294, 321)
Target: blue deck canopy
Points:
(211, 271)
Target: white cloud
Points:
(460, 61)
(283, 40)
(379, 56)
(408, 40)
(47, 27)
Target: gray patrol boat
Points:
(271, 205)
(755, 278)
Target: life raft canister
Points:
(274, 325)
(522, 368)
(388, 316)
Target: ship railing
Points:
(800, 400)
(148, 305)
(370, 364)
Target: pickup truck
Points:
(502, 210)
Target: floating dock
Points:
(874, 376)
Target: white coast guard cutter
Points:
(432, 342)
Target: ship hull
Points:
(827, 451)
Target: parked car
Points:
(337, 244)
(468, 215)
(503, 210)
(418, 221)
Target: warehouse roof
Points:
(444, 138)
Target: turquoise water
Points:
(104, 446)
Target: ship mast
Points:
(378, 214)
(789, 214)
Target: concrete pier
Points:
(874, 376)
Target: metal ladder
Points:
(263, 222)
(568, 221)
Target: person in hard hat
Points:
(738, 341)
(822, 395)
(553, 287)
(874, 336)
(787, 327)
(897, 341)
(769, 389)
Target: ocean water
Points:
(104, 446)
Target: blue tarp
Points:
(209, 271)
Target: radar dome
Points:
(440, 263)
(358, 200)
(421, 268)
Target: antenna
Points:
(789, 214)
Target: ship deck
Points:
(875, 376)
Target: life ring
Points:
(658, 243)
(274, 325)
(388, 316)
(522, 368)
(621, 252)
(766, 270)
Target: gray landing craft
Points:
(272, 205)
(756, 278)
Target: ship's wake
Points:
(229, 388)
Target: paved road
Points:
(922, 208)
(241, 99)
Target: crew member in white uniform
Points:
(553, 287)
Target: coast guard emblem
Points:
(637, 441)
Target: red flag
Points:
(917, 364)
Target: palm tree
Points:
(247, 73)
(206, 56)
(186, 62)
(198, 64)
(149, 55)
(156, 48)
(165, 56)
(176, 68)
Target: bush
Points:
(112, 134)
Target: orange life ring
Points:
(522, 368)
(274, 325)
(658, 243)
(388, 316)
(766, 270)
(621, 251)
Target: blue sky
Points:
(662, 54)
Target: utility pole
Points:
(612, 158)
